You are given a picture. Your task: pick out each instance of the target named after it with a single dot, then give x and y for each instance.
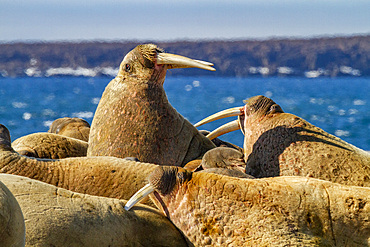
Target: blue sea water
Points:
(340, 106)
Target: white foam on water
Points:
(318, 101)
(48, 112)
(342, 133)
(12, 123)
(312, 74)
(80, 71)
(109, 71)
(16, 104)
(351, 119)
(47, 123)
(341, 112)
(27, 116)
(314, 118)
(285, 70)
(264, 70)
(188, 88)
(95, 100)
(352, 111)
(331, 108)
(268, 94)
(228, 100)
(33, 71)
(83, 114)
(50, 97)
(359, 102)
(70, 71)
(349, 71)
(196, 83)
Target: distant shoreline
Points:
(286, 57)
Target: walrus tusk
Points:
(138, 196)
(226, 128)
(178, 62)
(232, 112)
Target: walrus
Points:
(49, 146)
(135, 119)
(281, 144)
(100, 176)
(58, 217)
(216, 210)
(12, 227)
(220, 160)
(71, 127)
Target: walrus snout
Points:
(163, 182)
(165, 178)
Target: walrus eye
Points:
(127, 67)
(275, 108)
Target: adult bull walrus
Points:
(278, 143)
(135, 119)
(217, 210)
(59, 217)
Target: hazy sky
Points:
(171, 19)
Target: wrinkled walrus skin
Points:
(281, 144)
(12, 227)
(100, 176)
(135, 119)
(216, 210)
(49, 146)
(58, 217)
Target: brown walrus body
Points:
(215, 210)
(281, 144)
(135, 119)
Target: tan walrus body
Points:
(216, 210)
(49, 146)
(12, 227)
(281, 144)
(135, 119)
(58, 217)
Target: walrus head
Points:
(164, 182)
(151, 62)
(255, 109)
